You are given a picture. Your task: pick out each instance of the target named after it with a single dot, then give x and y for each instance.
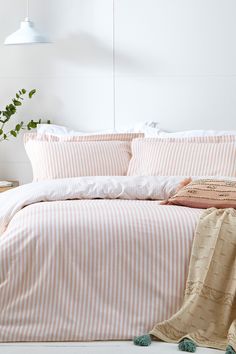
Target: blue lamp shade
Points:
(27, 34)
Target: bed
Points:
(95, 258)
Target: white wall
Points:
(175, 63)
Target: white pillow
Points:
(193, 133)
(60, 130)
(150, 129)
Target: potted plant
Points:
(10, 110)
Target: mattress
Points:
(79, 268)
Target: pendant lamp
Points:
(27, 34)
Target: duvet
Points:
(91, 258)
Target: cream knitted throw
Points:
(208, 314)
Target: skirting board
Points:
(95, 348)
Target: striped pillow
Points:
(80, 156)
(80, 138)
(192, 156)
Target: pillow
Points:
(196, 156)
(193, 133)
(60, 130)
(80, 138)
(206, 194)
(54, 157)
(149, 128)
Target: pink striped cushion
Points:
(195, 156)
(73, 156)
(51, 160)
(92, 137)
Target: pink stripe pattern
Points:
(52, 160)
(79, 138)
(194, 156)
(66, 156)
(81, 270)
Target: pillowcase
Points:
(196, 156)
(81, 138)
(60, 130)
(54, 157)
(193, 133)
(206, 194)
(149, 128)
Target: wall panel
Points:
(175, 63)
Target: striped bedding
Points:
(65, 156)
(50, 160)
(74, 268)
(191, 156)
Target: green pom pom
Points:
(187, 345)
(230, 350)
(143, 341)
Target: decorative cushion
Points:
(206, 193)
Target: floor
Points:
(94, 347)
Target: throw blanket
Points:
(208, 314)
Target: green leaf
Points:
(31, 93)
(33, 124)
(11, 109)
(16, 102)
(18, 127)
(7, 115)
(13, 133)
(29, 125)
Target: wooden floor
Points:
(94, 348)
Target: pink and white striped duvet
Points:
(91, 269)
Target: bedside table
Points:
(15, 184)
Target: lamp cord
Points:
(114, 64)
(27, 9)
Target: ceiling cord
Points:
(114, 64)
(27, 9)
